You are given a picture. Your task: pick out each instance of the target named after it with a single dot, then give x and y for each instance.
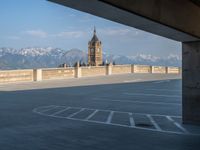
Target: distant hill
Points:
(52, 57)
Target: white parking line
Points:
(110, 117)
(154, 123)
(141, 102)
(48, 109)
(91, 115)
(132, 122)
(56, 113)
(82, 109)
(158, 95)
(177, 124)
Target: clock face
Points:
(92, 50)
(98, 49)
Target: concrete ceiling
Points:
(173, 19)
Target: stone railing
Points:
(28, 75)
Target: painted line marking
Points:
(82, 109)
(132, 122)
(48, 109)
(92, 114)
(177, 124)
(159, 95)
(142, 102)
(154, 123)
(156, 129)
(110, 117)
(108, 110)
(56, 113)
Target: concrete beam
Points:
(173, 19)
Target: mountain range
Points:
(25, 58)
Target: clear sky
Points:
(39, 23)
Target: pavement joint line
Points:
(109, 119)
(142, 102)
(114, 124)
(177, 124)
(70, 116)
(154, 122)
(92, 114)
(58, 112)
(159, 95)
(132, 122)
(163, 81)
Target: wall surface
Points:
(77, 72)
(58, 73)
(120, 69)
(16, 76)
(93, 71)
(142, 69)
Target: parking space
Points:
(120, 115)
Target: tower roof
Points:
(94, 38)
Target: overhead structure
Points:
(174, 19)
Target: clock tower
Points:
(94, 51)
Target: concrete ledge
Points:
(41, 74)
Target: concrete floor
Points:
(119, 112)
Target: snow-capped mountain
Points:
(52, 57)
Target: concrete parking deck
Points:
(119, 112)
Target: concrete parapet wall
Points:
(58, 73)
(142, 69)
(173, 70)
(77, 72)
(159, 69)
(93, 71)
(120, 69)
(16, 76)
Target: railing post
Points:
(37, 75)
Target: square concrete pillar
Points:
(109, 69)
(151, 69)
(191, 82)
(132, 68)
(166, 70)
(37, 75)
(78, 72)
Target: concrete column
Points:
(78, 72)
(166, 70)
(132, 68)
(109, 69)
(151, 69)
(37, 75)
(191, 82)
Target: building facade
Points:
(95, 51)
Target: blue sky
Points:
(39, 23)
